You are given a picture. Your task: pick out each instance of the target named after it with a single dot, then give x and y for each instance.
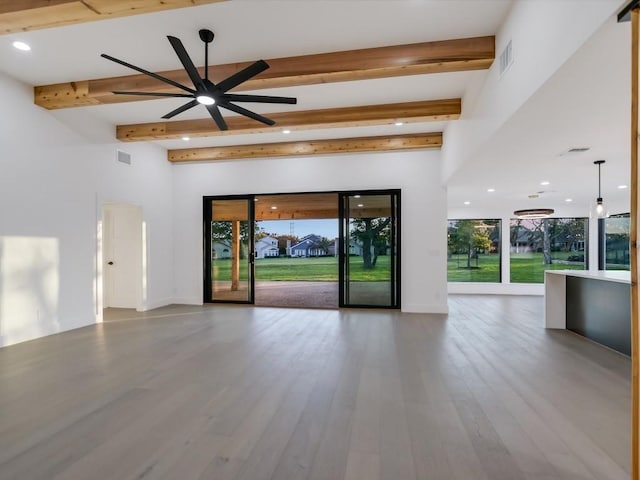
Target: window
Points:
(546, 244)
(616, 231)
(473, 253)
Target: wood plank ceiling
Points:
(456, 55)
(26, 15)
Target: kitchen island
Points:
(595, 304)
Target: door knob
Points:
(110, 263)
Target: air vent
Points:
(124, 157)
(506, 58)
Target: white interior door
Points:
(122, 255)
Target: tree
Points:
(221, 232)
(460, 238)
(282, 243)
(470, 237)
(546, 243)
(373, 234)
(481, 241)
(324, 244)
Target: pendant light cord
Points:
(599, 163)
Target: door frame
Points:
(101, 257)
(342, 194)
(343, 239)
(206, 247)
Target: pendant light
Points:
(600, 210)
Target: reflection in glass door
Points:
(228, 252)
(369, 239)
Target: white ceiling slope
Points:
(586, 103)
(583, 104)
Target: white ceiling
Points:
(584, 104)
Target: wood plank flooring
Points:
(247, 393)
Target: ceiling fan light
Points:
(205, 99)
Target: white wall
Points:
(544, 35)
(52, 184)
(417, 174)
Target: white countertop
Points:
(621, 276)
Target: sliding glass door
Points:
(366, 250)
(369, 237)
(228, 237)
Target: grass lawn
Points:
(488, 271)
(525, 268)
(319, 269)
(529, 267)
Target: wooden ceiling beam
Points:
(311, 147)
(296, 214)
(409, 112)
(431, 57)
(27, 15)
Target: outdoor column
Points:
(235, 254)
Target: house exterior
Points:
(309, 246)
(267, 247)
(221, 250)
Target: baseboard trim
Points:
(187, 301)
(496, 288)
(157, 304)
(425, 308)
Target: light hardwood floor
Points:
(233, 392)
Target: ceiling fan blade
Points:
(247, 113)
(243, 75)
(232, 97)
(146, 72)
(214, 111)
(152, 94)
(188, 65)
(181, 109)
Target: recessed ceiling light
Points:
(568, 200)
(21, 46)
(622, 187)
(399, 124)
(491, 190)
(286, 131)
(467, 203)
(205, 100)
(273, 207)
(545, 182)
(361, 205)
(186, 139)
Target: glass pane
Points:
(369, 265)
(230, 252)
(617, 228)
(546, 244)
(473, 253)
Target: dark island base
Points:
(600, 311)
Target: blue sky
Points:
(324, 228)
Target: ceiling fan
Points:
(204, 91)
